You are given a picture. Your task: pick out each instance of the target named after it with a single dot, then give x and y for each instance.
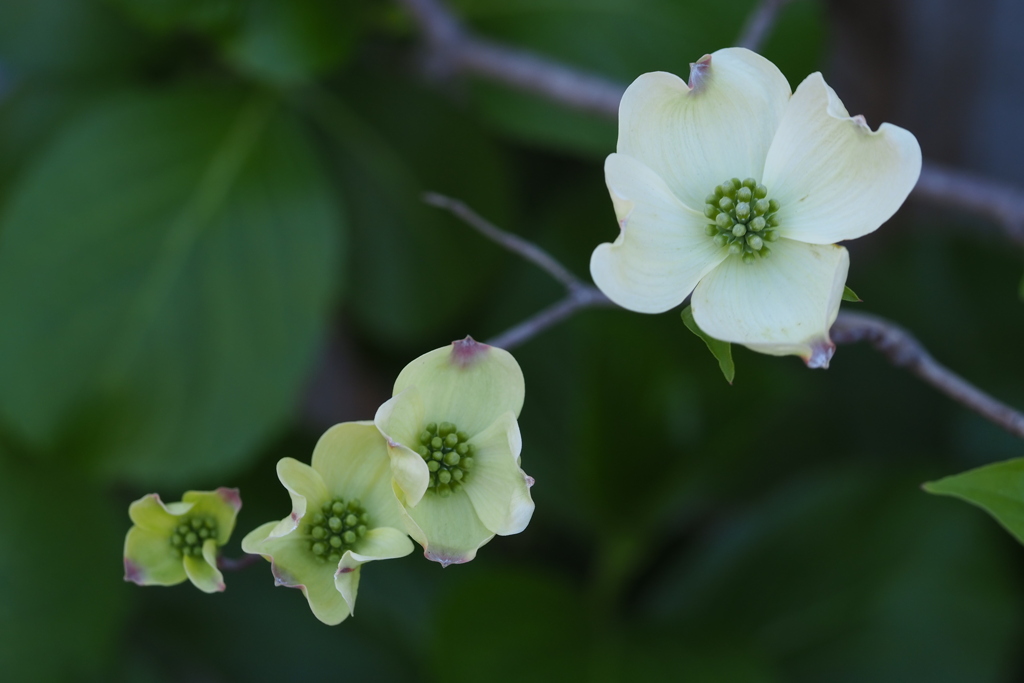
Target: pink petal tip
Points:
(699, 72)
(530, 481)
(467, 351)
(231, 497)
(132, 572)
(444, 560)
(821, 353)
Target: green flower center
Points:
(449, 458)
(188, 537)
(744, 218)
(335, 528)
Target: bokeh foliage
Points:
(199, 198)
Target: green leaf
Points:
(721, 350)
(293, 41)
(998, 489)
(166, 269)
(850, 295)
(169, 15)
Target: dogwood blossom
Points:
(735, 189)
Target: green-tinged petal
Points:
(467, 383)
(253, 541)
(381, 543)
(720, 128)
(498, 488)
(295, 566)
(400, 420)
(222, 504)
(781, 305)
(306, 488)
(149, 559)
(448, 528)
(353, 460)
(662, 250)
(346, 583)
(202, 571)
(834, 177)
(149, 512)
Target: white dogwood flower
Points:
(735, 189)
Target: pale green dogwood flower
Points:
(344, 514)
(171, 542)
(454, 443)
(734, 189)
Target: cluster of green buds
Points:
(336, 528)
(189, 536)
(745, 219)
(448, 456)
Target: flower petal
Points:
(448, 528)
(294, 566)
(202, 571)
(380, 543)
(400, 420)
(149, 559)
(661, 252)
(346, 583)
(467, 383)
(781, 305)
(223, 505)
(253, 541)
(834, 177)
(352, 458)
(306, 488)
(696, 138)
(149, 512)
(496, 485)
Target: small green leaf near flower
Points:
(850, 295)
(722, 351)
(998, 489)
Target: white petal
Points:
(662, 251)
(834, 177)
(781, 305)
(449, 529)
(496, 485)
(696, 138)
(306, 488)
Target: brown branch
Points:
(904, 351)
(576, 300)
(454, 50)
(760, 23)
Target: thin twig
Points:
(454, 50)
(235, 564)
(904, 351)
(513, 243)
(577, 300)
(760, 23)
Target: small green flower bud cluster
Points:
(744, 218)
(449, 458)
(189, 535)
(335, 528)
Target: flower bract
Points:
(455, 448)
(734, 189)
(176, 541)
(344, 514)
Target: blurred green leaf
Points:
(71, 37)
(722, 351)
(417, 267)
(167, 15)
(62, 599)
(292, 41)
(998, 489)
(850, 295)
(166, 269)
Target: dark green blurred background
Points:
(212, 247)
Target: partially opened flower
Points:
(344, 514)
(735, 190)
(455, 444)
(171, 542)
